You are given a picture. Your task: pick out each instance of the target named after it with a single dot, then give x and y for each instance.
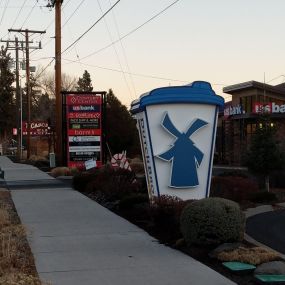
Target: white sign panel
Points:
(194, 161)
(89, 164)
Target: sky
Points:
(223, 42)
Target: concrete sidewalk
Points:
(76, 241)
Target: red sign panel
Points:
(37, 128)
(261, 108)
(84, 131)
(270, 107)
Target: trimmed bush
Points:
(112, 184)
(165, 213)
(212, 221)
(233, 188)
(263, 197)
(133, 199)
(60, 171)
(234, 173)
(81, 179)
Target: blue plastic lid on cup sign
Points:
(198, 92)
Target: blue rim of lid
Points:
(198, 92)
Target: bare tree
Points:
(46, 81)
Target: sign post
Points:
(177, 128)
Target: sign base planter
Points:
(177, 129)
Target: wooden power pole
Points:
(58, 96)
(27, 32)
(15, 46)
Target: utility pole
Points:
(19, 127)
(27, 32)
(18, 107)
(58, 97)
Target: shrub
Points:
(234, 173)
(212, 221)
(133, 199)
(60, 171)
(81, 179)
(233, 188)
(263, 197)
(165, 213)
(113, 184)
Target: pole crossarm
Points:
(26, 30)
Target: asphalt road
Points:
(269, 229)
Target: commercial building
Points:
(240, 118)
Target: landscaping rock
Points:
(273, 267)
(224, 247)
(252, 255)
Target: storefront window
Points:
(250, 129)
(246, 103)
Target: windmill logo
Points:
(185, 157)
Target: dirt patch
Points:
(16, 260)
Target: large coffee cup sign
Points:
(177, 128)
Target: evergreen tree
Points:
(265, 155)
(7, 102)
(85, 83)
(121, 131)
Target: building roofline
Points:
(253, 84)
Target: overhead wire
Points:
(28, 16)
(76, 51)
(120, 71)
(123, 50)
(92, 26)
(42, 36)
(73, 13)
(45, 68)
(132, 31)
(275, 78)
(116, 52)
(18, 14)
(4, 12)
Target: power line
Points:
(132, 31)
(76, 9)
(19, 12)
(4, 11)
(135, 74)
(124, 51)
(79, 38)
(116, 52)
(275, 78)
(44, 69)
(28, 16)
(48, 26)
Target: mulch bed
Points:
(17, 264)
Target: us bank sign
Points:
(177, 128)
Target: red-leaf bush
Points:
(233, 188)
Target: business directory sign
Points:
(84, 129)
